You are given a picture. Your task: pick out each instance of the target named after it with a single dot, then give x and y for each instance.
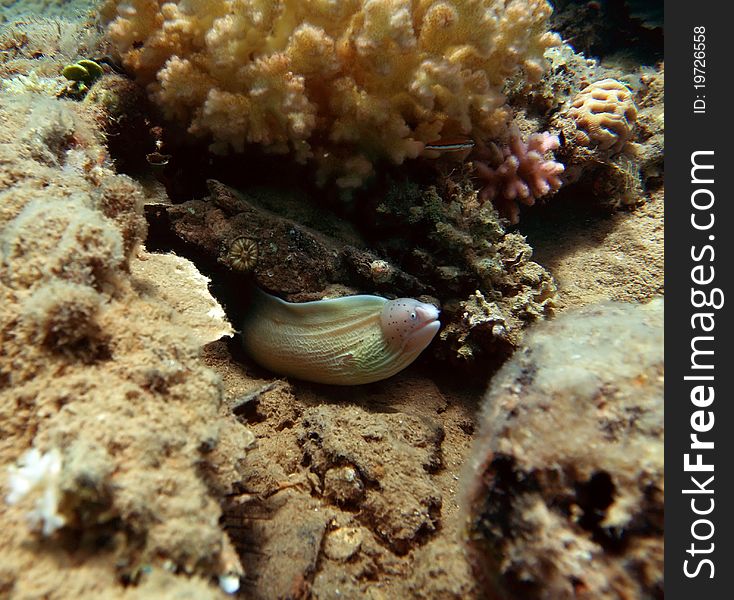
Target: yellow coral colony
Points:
(341, 83)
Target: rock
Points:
(343, 485)
(564, 491)
(289, 528)
(343, 543)
(280, 254)
(394, 455)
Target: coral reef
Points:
(142, 455)
(109, 424)
(611, 144)
(40, 54)
(40, 47)
(568, 72)
(489, 286)
(604, 113)
(457, 254)
(564, 491)
(25, 9)
(340, 84)
(522, 172)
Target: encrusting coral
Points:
(341, 84)
(524, 172)
(604, 113)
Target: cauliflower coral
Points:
(341, 83)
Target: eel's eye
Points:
(412, 316)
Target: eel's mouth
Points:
(425, 332)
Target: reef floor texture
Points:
(144, 455)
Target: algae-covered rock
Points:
(564, 491)
(110, 426)
(488, 284)
(280, 253)
(121, 110)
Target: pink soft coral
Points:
(523, 175)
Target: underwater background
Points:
(164, 435)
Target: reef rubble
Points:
(143, 455)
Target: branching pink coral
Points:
(523, 172)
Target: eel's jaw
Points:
(419, 339)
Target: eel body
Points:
(341, 341)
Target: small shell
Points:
(94, 70)
(242, 254)
(75, 72)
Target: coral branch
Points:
(525, 171)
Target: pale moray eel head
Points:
(409, 324)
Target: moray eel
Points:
(342, 341)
